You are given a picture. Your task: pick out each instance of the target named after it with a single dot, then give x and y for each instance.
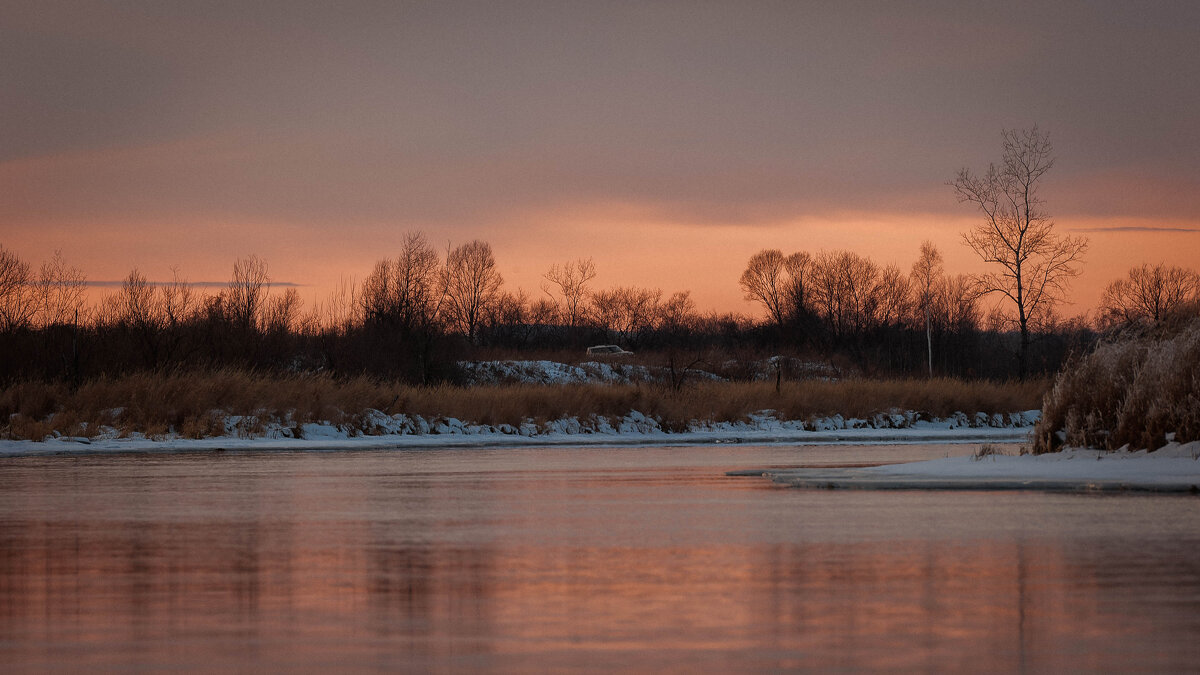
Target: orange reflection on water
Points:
(221, 594)
(547, 561)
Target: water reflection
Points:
(313, 562)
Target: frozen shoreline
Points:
(74, 446)
(1173, 468)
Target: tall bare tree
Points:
(956, 304)
(339, 311)
(138, 306)
(796, 288)
(18, 301)
(60, 289)
(627, 311)
(281, 314)
(247, 291)
(571, 279)
(406, 292)
(1035, 264)
(676, 313)
(893, 297)
(418, 282)
(765, 281)
(847, 292)
(926, 274)
(1150, 294)
(472, 284)
(178, 305)
(178, 300)
(139, 311)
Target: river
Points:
(585, 559)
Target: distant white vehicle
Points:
(606, 350)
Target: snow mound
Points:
(375, 428)
(553, 372)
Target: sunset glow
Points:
(667, 143)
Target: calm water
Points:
(585, 559)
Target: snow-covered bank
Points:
(379, 430)
(616, 372)
(1173, 468)
(553, 372)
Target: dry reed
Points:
(195, 404)
(1140, 391)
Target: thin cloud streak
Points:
(193, 284)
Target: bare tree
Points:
(339, 310)
(543, 312)
(781, 284)
(846, 289)
(60, 289)
(281, 313)
(1149, 294)
(1035, 264)
(571, 279)
(796, 287)
(18, 302)
(247, 291)
(627, 311)
(177, 305)
(926, 274)
(379, 296)
(676, 313)
(509, 309)
(765, 281)
(956, 304)
(178, 300)
(137, 301)
(472, 283)
(407, 292)
(138, 312)
(419, 289)
(893, 304)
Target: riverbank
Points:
(202, 404)
(377, 430)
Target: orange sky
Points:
(667, 142)
(628, 250)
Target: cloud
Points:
(1133, 228)
(193, 284)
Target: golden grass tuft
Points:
(1136, 391)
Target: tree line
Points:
(418, 313)
(412, 317)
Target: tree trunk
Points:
(1022, 366)
(929, 343)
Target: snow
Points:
(615, 372)
(1174, 467)
(552, 372)
(376, 429)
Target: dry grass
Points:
(1132, 391)
(195, 404)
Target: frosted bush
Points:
(1132, 391)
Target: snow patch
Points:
(1174, 467)
(553, 372)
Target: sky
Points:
(668, 141)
